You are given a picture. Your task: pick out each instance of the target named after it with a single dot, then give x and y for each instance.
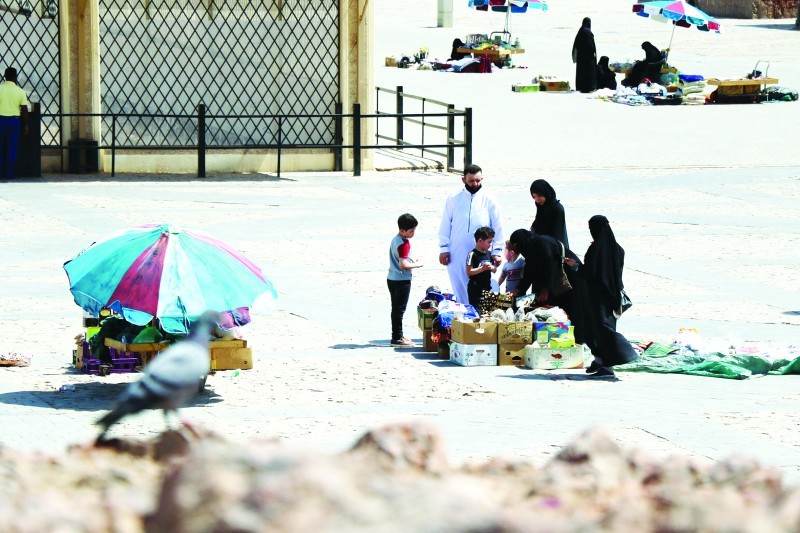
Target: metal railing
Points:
(426, 127)
(338, 145)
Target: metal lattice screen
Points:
(30, 41)
(238, 57)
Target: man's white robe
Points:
(463, 214)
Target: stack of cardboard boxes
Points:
(539, 345)
(425, 322)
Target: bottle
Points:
(66, 388)
(516, 42)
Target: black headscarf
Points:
(651, 53)
(550, 218)
(542, 260)
(606, 79)
(455, 55)
(604, 260)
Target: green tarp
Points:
(674, 359)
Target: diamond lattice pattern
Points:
(238, 57)
(29, 33)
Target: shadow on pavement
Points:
(562, 377)
(358, 346)
(87, 397)
(149, 178)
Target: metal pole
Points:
(280, 142)
(399, 108)
(356, 139)
(451, 134)
(467, 136)
(337, 137)
(423, 128)
(113, 144)
(201, 141)
(377, 112)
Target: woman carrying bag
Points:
(602, 270)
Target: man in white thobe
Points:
(464, 212)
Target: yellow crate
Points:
(231, 358)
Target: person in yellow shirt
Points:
(13, 105)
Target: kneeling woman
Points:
(543, 264)
(602, 270)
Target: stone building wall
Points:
(749, 9)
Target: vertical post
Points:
(280, 143)
(201, 141)
(423, 128)
(356, 139)
(451, 134)
(467, 136)
(338, 140)
(399, 111)
(113, 144)
(377, 112)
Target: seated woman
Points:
(606, 78)
(455, 55)
(649, 67)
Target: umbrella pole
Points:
(507, 30)
(669, 47)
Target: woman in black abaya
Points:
(606, 79)
(542, 267)
(549, 212)
(602, 270)
(584, 55)
(649, 67)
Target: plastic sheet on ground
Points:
(676, 359)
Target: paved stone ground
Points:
(711, 243)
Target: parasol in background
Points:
(679, 13)
(508, 7)
(173, 275)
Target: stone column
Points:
(356, 81)
(444, 14)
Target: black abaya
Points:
(606, 79)
(602, 270)
(549, 216)
(542, 267)
(584, 54)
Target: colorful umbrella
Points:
(679, 13)
(508, 7)
(167, 273)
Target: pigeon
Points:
(171, 379)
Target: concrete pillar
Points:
(444, 14)
(80, 41)
(356, 81)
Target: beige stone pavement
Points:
(711, 243)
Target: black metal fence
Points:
(202, 122)
(426, 126)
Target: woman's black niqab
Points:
(550, 219)
(604, 260)
(584, 54)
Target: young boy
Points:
(480, 266)
(512, 270)
(399, 278)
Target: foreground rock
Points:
(395, 478)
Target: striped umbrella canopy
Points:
(508, 7)
(174, 275)
(679, 13)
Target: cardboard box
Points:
(425, 318)
(519, 333)
(547, 330)
(444, 350)
(473, 332)
(553, 85)
(429, 345)
(520, 88)
(473, 354)
(231, 358)
(511, 355)
(554, 358)
(390, 62)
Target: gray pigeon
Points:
(169, 380)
